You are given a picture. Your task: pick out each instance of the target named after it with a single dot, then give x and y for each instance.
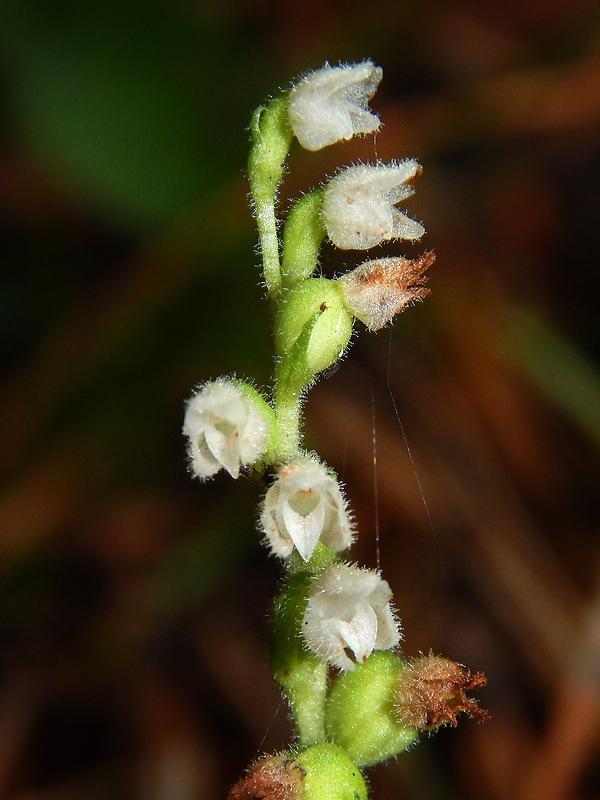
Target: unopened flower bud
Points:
(305, 504)
(227, 424)
(348, 615)
(331, 104)
(359, 205)
(377, 290)
(430, 691)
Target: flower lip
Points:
(225, 428)
(359, 205)
(348, 615)
(305, 505)
(331, 104)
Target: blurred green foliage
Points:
(126, 100)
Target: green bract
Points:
(360, 716)
(332, 330)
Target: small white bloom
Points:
(349, 611)
(305, 504)
(332, 104)
(225, 429)
(377, 290)
(359, 205)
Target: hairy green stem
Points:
(271, 139)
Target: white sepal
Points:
(331, 104)
(303, 505)
(225, 428)
(359, 205)
(349, 611)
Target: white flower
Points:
(377, 290)
(359, 205)
(226, 429)
(331, 104)
(349, 611)
(305, 504)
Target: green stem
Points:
(266, 223)
(306, 691)
(287, 410)
(271, 139)
(292, 375)
(301, 675)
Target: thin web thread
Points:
(406, 444)
(375, 481)
(260, 750)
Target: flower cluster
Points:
(334, 634)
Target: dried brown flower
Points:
(377, 290)
(431, 691)
(275, 777)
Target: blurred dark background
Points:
(133, 600)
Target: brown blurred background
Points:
(134, 601)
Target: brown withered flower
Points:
(377, 290)
(430, 692)
(275, 777)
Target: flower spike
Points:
(331, 104)
(359, 205)
(349, 611)
(304, 505)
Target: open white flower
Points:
(304, 505)
(359, 205)
(226, 429)
(349, 611)
(377, 290)
(331, 104)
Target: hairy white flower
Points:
(330, 104)
(305, 504)
(226, 429)
(349, 611)
(359, 205)
(377, 290)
